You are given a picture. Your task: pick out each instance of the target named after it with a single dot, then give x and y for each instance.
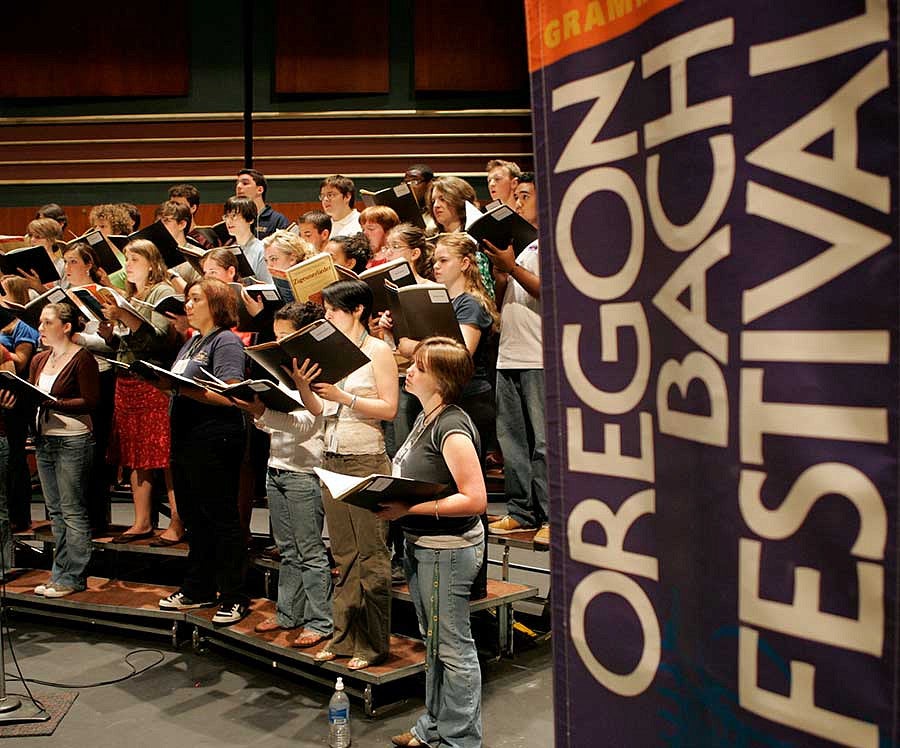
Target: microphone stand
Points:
(11, 711)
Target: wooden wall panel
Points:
(64, 49)
(332, 47)
(359, 144)
(470, 45)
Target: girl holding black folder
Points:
(208, 440)
(140, 428)
(64, 443)
(444, 543)
(354, 445)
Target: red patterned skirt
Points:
(141, 437)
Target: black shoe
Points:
(180, 601)
(229, 613)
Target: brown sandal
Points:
(308, 639)
(269, 624)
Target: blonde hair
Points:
(290, 245)
(463, 246)
(147, 249)
(15, 288)
(45, 228)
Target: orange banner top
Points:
(558, 28)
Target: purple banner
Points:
(718, 190)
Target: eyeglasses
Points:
(330, 196)
(391, 248)
(413, 181)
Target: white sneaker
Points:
(59, 590)
(41, 589)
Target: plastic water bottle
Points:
(339, 717)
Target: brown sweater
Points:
(77, 387)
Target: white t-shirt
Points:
(296, 439)
(54, 423)
(347, 226)
(520, 320)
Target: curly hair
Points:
(114, 214)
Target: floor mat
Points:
(57, 703)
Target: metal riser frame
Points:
(201, 637)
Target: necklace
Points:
(428, 414)
(417, 430)
(54, 356)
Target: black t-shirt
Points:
(421, 458)
(470, 312)
(222, 354)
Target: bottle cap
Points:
(339, 686)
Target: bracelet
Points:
(352, 404)
(436, 515)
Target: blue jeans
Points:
(64, 464)
(439, 582)
(5, 534)
(304, 581)
(523, 441)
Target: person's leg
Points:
(362, 595)
(373, 632)
(291, 597)
(459, 691)
(73, 467)
(47, 457)
(420, 564)
(6, 545)
(175, 530)
(512, 433)
(142, 493)
(219, 503)
(533, 398)
(307, 519)
(346, 596)
(372, 637)
(198, 584)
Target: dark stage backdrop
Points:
(718, 189)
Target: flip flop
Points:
(129, 537)
(269, 624)
(162, 542)
(308, 639)
(324, 655)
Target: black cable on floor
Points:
(4, 623)
(134, 673)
